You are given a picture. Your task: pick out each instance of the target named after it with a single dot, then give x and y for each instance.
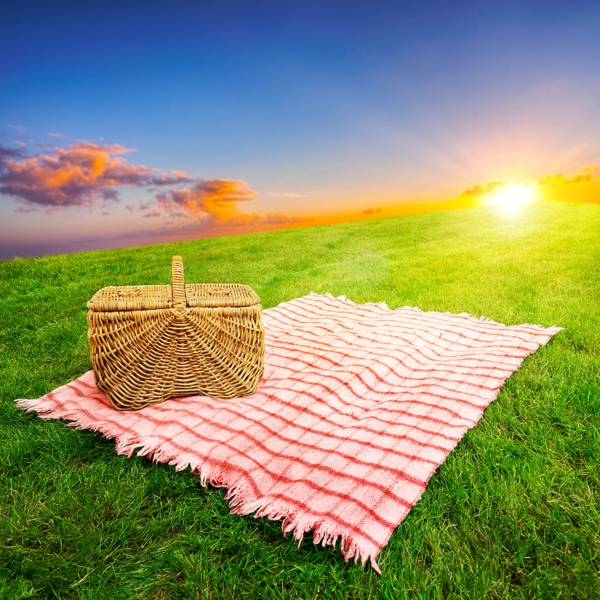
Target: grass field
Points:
(514, 512)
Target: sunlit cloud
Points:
(92, 175)
(478, 191)
(582, 187)
(215, 197)
(175, 178)
(82, 174)
(214, 203)
(584, 176)
(371, 211)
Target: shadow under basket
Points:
(149, 343)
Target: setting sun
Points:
(511, 197)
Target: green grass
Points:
(514, 512)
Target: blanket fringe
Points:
(241, 501)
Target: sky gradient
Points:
(154, 122)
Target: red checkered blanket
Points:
(358, 406)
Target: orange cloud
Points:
(85, 173)
(215, 203)
(81, 174)
(90, 174)
(479, 191)
(371, 211)
(583, 187)
(584, 176)
(217, 198)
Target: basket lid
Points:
(152, 297)
(178, 295)
(132, 297)
(220, 294)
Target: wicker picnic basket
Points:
(149, 343)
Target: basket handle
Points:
(178, 283)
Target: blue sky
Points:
(322, 109)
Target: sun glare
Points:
(512, 197)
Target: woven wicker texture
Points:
(151, 343)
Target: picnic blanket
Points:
(358, 406)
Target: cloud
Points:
(479, 191)
(92, 174)
(80, 174)
(56, 135)
(371, 211)
(217, 198)
(77, 175)
(176, 178)
(584, 176)
(7, 153)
